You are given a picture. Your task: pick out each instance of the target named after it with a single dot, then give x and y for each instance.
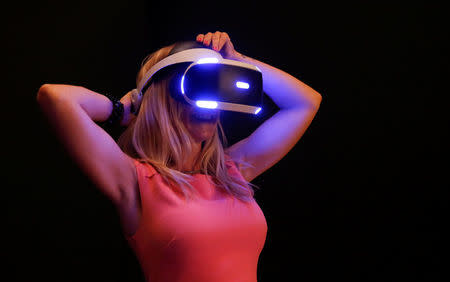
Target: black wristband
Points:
(117, 113)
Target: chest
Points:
(215, 227)
(221, 216)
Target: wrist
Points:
(127, 115)
(117, 113)
(239, 57)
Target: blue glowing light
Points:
(257, 110)
(206, 104)
(208, 61)
(241, 84)
(182, 82)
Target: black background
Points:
(361, 197)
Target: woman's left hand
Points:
(220, 42)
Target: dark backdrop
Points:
(361, 197)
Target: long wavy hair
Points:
(158, 136)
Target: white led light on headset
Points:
(202, 62)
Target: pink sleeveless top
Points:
(212, 238)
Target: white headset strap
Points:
(190, 55)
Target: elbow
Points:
(312, 101)
(49, 91)
(315, 100)
(43, 91)
(318, 100)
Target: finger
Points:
(215, 40)
(223, 39)
(200, 37)
(207, 39)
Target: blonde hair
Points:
(159, 137)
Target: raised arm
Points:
(273, 139)
(72, 111)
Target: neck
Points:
(188, 165)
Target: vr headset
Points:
(204, 79)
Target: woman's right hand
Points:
(127, 115)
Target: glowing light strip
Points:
(208, 61)
(241, 84)
(182, 86)
(206, 104)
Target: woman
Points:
(185, 202)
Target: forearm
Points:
(285, 90)
(98, 107)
